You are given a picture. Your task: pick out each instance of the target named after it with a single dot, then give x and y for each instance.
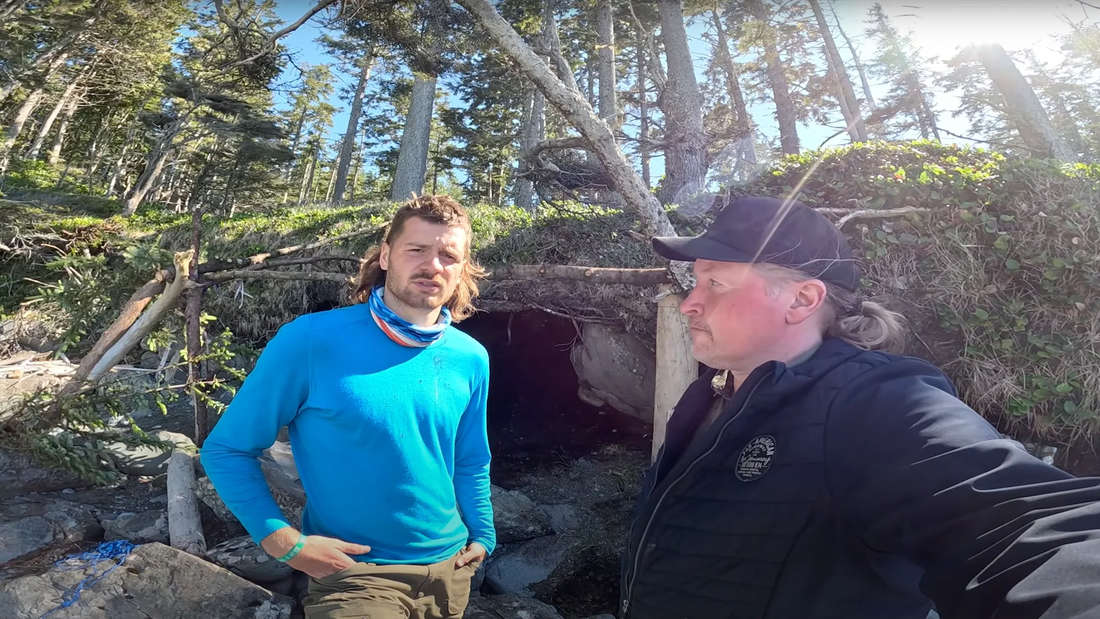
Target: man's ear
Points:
(808, 298)
(384, 256)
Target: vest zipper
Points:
(653, 514)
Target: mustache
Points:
(426, 277)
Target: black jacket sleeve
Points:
(914, 471)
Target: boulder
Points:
(140, 528)
(20, 474)
(514, 568)
(153, 581)
(244, 558)
(146, 460)
(34, 523)
(516, 517)
(499, 606)
(615, 369)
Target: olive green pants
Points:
(370, 591)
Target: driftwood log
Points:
(184, 523)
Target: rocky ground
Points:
(561, 515)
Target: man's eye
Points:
(714, 283)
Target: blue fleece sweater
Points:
(390, 442)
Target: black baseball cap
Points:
(759, 229)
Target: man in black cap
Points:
(808, 474)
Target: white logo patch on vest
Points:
(756, 458)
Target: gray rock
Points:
(563, 517)
(144, 460)
(147, 526)
(244, 558)
(20, 474)
(515, 568)
(154, 581)
(509, 606)
(616, 369)
(291, 506)
(516, 517)
(34, 523)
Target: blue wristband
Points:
(293, 552)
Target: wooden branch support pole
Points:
(148, 319)
(604, 275)
(184, 524)
(676, 367)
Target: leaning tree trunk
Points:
(1022, 104)
(347, 146)
(579, 114)
(18, 122)
(845, 94)
(682, 105)
(47, 124)
(412, 159)
(781, 91)
(860, 69)
(62, 131)
(746, 151)
(154, 165)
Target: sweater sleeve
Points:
(999, 533)
(268, 400)
(471, 477)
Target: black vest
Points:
(741, 525)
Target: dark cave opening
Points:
(535, 415)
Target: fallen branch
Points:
(145, 323)
(318, 276)
(639, 277)
(875, 213)
(130, 313)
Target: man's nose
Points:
(691, 306)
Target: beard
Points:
(412, 296)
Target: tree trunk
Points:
(1022, 105)
(21, 115)
(47, 124)
(605, 29)
(781, 91)
(557, 59)
(347, 146)
(860, 69)
(121, 162)
(62, 131)
(412, 159)
(307, 177)
(193, 318)
(290, 166)
(643, 112)
(746, 148)
(51, 62)
(579, 114)
(530, 135)
(849, 105)
(154, 164)
(682, 105)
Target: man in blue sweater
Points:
(385, 404)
